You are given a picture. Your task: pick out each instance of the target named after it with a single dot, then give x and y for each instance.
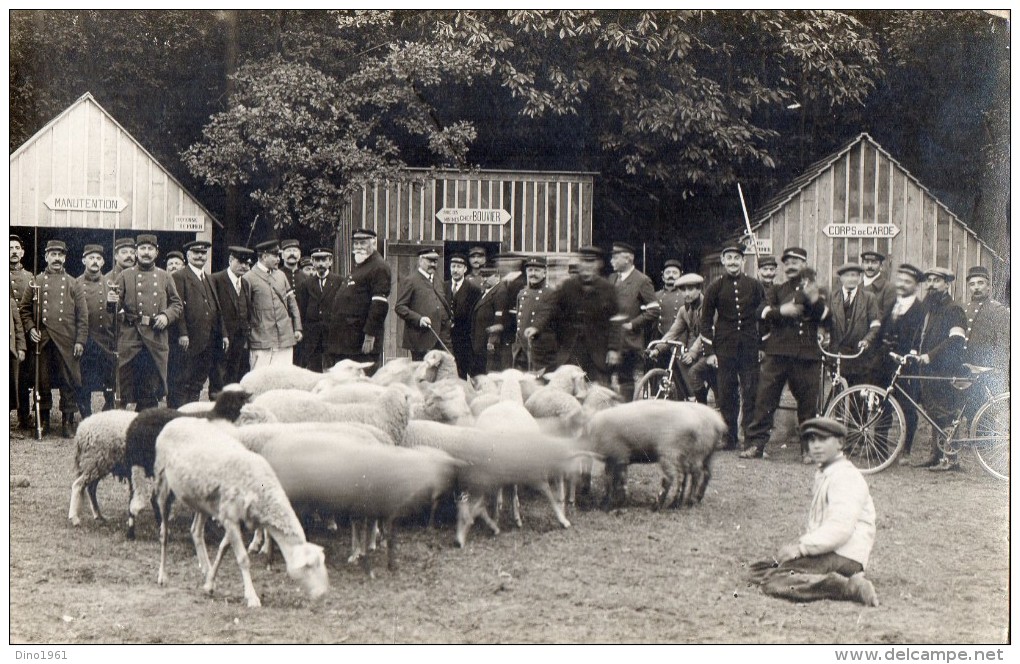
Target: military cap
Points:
(460, 259)
(535, 261)
(690, 279)
(92, 249)
(978, 271)
(590, 252)
(911, 271)
(672, 262)
(428, 253)
(871, 253)
(321, 251)
(794, 252)
(824, 426)
(477, 251)
(243, 254)
(15, 238)
(175, 254)
(123, 242)
(268, 247)
(305, 261)
(849, 267)
(734, 248)
(147, 239)
(287, 244)
(940, 272)
(767, 259)
(487, 271)
(623, 247)
(363, 234)
(197, 245)
(55, 245)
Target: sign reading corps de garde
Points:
(473, 216)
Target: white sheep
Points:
(398, 370)
(288, 376)
(569, 378)
(437, 365)
(680, 436)
(560, 409)
(483, 401)
(352, 392)
(443, 401)
(201, 464)
(100, 442)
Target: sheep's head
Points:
(346, 370)
(445, 401)
(229, 403)
(307, 566)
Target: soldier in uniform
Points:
(232, 293)
(56, 321)
(875, 282)
(21, 377)
(512, 281)
(987, 333)
(670, 298)
(360, 305)
(19, 349)
(174, 261)
(477, 258)
(581, 316)
(538, 351)
(686, 328)
(424, 308)
(729, 330)
(854, 324)
(99, 361)
(273, 316)
(794, 309)
(307, 268)
(198, 331)
(314, 296)
(124, 257)
(290, 262)
(462, 295)
(637, 304)
(767, 267)
(148, 299)
(487, 322)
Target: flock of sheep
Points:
(288, 443)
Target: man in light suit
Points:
(462, 294)
(232, 293)
(272, 310)
(638, 309)
(875, 282)
(197, 331)
(423, 307)
(855, 322)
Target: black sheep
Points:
(140, 448)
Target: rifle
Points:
(112, 285)
(747, 222)
(37, 398)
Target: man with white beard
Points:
(357, 315)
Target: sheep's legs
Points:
(706, 475)
(668, 482)
(466, 513)
(211, 574)
(162, 500)
(91, 487)
(557, 508)
(77, 491)
(391, 545)
(198, 537)
(515, 508)
(234, 533)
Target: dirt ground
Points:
(940, 566)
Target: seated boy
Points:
(828, 560)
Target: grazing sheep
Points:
(99, 451)
(680, 436)
(140, 448)
(288, 376)
(437, 365)
(199, 463)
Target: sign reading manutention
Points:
(86, 203)
(473, 216)
(861, 230)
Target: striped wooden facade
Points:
(861, 183)
(84, 152)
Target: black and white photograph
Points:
(504, 327)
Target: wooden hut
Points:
(859, 198)
(84, 179)
(526, 212)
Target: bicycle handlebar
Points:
(840, 356)
(903, 359)
(670, 342)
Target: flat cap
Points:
(690, 279)
(305, 262)
(978, 271)
(911, 271)
(124, 242)
(363, 234)
(535, 261)
(732, 248)
(92, 249)
(197, 245)
(55, 245)
(321, 251)
(849, 267)
(15, 238)
(825, 426)
(460, 259)
(767, 259)
(175, 254)
(672, 262)
(942, 272)
(428, 253)
(794, 252)
(623, 247)
(590, 252)
(287, 244)
(871, 253)
(477, 251)
(146, 239)
(268, 247)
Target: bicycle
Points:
(836, 383)
(876, 424)
(659, 383)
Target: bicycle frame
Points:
(673, 372)
(838, 382)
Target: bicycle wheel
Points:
(655, 384)
(876, 427)
(991, 426)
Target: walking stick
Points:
(432, 329)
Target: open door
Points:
(402, 258)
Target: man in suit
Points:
(57, 324)
(794, 309)
(462, 295)
(314, 297)
(21, 377)
(639, 308)
(423, 307)
(232, 294)
(695, 373)
(273, 315)
(360, 305)
(487, 321)
(99, 361)
(875, 282)
(537, 352)
(199, 329)
(147, 300)
(729, 330)
(854, 324)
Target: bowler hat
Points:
(767, 259)
(175, 254)
(978, 271)
(590, 252)
(623, 247)
(535, 261)
(940, 272)
(459, 259)
(363, 234)
(197, 245)
(92, 249)
(732, 248)
(794, 252)
(849, 267)
(268, 247)
(147, 239)
(871, 253)
(911, 271)
(825, 426)
(55, 245)
(124, 242)
(690, 279)
(321, 251)
(287, 244)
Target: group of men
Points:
(139, 333)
